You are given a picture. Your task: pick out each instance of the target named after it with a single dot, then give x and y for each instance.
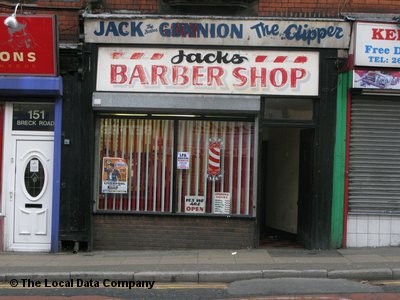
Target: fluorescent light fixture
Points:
(178, 116)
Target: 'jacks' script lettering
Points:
(209, 58)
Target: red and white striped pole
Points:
(214, 159)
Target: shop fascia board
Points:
(145, 102)
(30, 85)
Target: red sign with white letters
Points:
(30, 48)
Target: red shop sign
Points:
(29, 49)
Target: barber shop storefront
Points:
(30, 130)
(212, 145)
(372, 196)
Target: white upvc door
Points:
(28, 188)
(33, 191)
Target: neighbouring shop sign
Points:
(195, 204)
(126, 69)
(189, 31)
(377, 45)
(29, 49)
(376, 79)
(33, 117)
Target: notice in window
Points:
(222, 203)
(195, 204)
(115, 175)
(34, 165)
(183, 161)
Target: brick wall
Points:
(325, 8)
(127, 232)
(144, 6)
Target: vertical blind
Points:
(236, 163)
(147, 146)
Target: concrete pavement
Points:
(204, 265)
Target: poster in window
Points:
(195, 204)
(115, 175)
(34, 166)
(183, 161)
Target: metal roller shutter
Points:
(374, 166)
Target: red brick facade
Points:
(325, 8)
(171, 232)
(68, 12)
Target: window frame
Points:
(289, 122)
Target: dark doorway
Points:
(264, 233)
(286, 187)
(305, 187)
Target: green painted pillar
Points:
(344, 84)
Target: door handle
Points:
(11, 196)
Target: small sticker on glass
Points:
(34, 165)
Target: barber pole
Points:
(214, 159)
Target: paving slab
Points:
(310, 260)
(392, 258)
(383, 251)
(366, 258)
(179, 259)
(303, 253)
(141, 261)
(253, 257)
(217, 260)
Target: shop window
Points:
(288, 109)
(220, 174)
(136, 164)
(211, 171)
